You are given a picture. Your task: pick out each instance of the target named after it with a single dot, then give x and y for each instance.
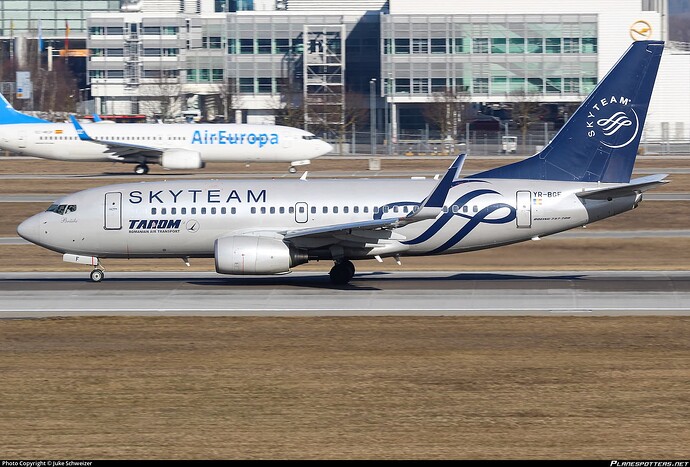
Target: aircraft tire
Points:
(292, 170)
(97, 275)
(141, 169)
(342, 273)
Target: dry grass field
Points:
(351, 388)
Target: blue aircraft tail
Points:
(9, 115)
(601, 139)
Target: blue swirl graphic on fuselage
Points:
(388, 207)
(473, 221)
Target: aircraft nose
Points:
(326, 147)
(30, 229)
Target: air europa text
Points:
(225, 137)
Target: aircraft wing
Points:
(635, 187)
(119, 150)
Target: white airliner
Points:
(173, 146)
(270, 226)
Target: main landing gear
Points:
(141, 169)
(342, 272)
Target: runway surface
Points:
(413, 293)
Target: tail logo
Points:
(619, 126)
(614, 123)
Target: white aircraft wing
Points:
(119, 150)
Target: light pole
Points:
(372, 114)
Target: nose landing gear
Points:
(141, 169)
(97, 275)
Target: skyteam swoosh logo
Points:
(613, 121)
(481, 217)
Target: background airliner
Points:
(174, 146)
(270, 226)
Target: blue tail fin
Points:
(9, 115)
(600, 141)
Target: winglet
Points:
(97, 118)
(80, 131)
(432, 204)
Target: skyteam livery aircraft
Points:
(271, 226)
(174, 146)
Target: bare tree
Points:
(161, 99)
(291, 109)
(527, 110)
(446, 111)
(228, 99)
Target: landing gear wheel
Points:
(341, 273)
(292, 169)
(141, 169)
(97, 275)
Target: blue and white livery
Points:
(271, 226)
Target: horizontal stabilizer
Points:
(636, 186)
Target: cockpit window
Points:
(309, 137)
(62, 209)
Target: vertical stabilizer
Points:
(601, 139)
(8, 115)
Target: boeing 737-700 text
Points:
(173, 146)
(270, 226)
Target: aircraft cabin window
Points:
(263, 210)
(223, 210)
(395, 209)
(376, 209)
(475, 208)
(153, 210)
(464, 208)
(193, 210)
(173, 210)
(366, 209)
(346, 209)
(233, 210)
(313, 209)
(282, 210)
(164, 211)
(355, 209)
(325, 210)
(253, 211)
(455, 209)
(291, 210)
(203, 210)
(335, 209)
(213, 210)
(273, 210)
(183, 211)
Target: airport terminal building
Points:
(256, 60)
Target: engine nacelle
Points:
(244, 254)
(181, 159)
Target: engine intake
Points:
(244, 254)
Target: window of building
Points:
(420, 86)
(589, 45)
(480, 45)
(571, 85)
(535, 85)
(535, 45)
(498, 45)
(264, 85)
(571, 45)
(480, 85)
(282, 46)
(169, 30)
(247, 85)
(402, 86)
(553, 45)
(246, 46)
(553, 85)
(402, 46)
(516, 45)
(438, 46)
(420, 46)
(264, 46)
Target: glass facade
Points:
(20, 16)
(497, 55)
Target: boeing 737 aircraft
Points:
(270, 226)
(174, 146)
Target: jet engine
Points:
(245, 254)
(181, 159)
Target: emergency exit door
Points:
(523, 209)
(113, 211)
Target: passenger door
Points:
(113, 211)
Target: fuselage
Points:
(184, 219)
(214, 142)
